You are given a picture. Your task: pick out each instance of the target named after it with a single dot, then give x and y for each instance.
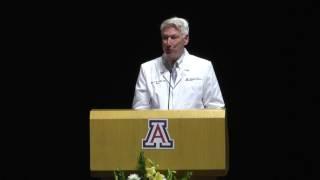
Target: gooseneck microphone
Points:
(169, 90)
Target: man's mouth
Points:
(168, 51)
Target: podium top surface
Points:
(128, 113)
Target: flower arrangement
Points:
(148, 170)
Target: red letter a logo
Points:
(158, 136)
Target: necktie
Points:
(174, 73)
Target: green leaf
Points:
(171, 175)
(187, 176)
(119, 175)
(142, 165)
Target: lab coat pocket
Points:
(160, 89)
(195, 84)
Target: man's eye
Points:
(174, 37)
(169, 37)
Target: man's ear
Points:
(186, 40)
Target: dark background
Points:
(62, 60)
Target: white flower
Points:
(133, 177)
(163, 177)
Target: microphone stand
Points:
(169, 92)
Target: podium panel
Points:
(181, 140)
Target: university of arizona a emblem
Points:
(158, 135)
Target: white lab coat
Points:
(196, 86)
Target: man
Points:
(177, 79)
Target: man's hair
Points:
(181, 24)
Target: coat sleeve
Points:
(141, 98)
(212, 97)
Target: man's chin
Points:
(170, 57)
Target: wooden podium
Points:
(181, 140)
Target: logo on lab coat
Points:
(157, 136)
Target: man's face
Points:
(173, 42)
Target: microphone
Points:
(169, 90)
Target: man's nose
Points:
(169, 41)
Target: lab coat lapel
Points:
(180, 75)
(166, 76)
(183, 69)
(165, 73)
